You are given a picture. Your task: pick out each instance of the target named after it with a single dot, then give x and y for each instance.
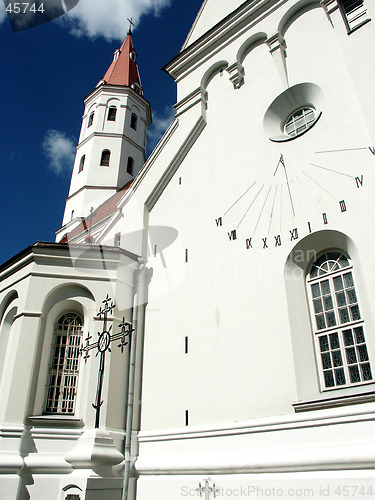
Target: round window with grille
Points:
(299, 121)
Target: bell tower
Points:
(112, 143)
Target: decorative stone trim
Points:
(236, 72)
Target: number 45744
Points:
(24, 7)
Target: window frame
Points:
(130, 165)
(91, 119)
(341, 329)
(134, 121)
(104, 162)
(81, 163)
(112, 114)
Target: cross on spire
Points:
(130, 25)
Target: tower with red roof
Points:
(112, 143)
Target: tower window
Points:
(354, 13)
(106, 155)
(112, 111)
(81, 163)
(133, 121)
(130, 166)
(64, 366)
(91, 119)
(338, 325)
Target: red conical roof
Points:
(124, 69)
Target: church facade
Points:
(204, 323)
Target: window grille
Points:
(104, 161)
(337, 322)
(300, 121)
(133, 121)
(64, 367)
(112, 112)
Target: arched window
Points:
(81, 163)
(91, 119)
(64, 365)
(112, 111)
(337, 322)
(106, 155)
(130, 166)
(133, 121)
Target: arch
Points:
(9, 310)
(212, 72)
(250, 44)
(65, 298)
(105, 158)
(7, 300)
(295, 12)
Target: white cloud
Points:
(108, 18)
(2, 12)
(160, 123)
(59, 149)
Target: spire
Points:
(124, 69)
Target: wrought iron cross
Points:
(103, 345)
(207, 489)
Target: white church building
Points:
(204, 324)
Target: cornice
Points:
(242, 19)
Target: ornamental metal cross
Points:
(103, 345)
(207, 489)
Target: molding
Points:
(175, 163)
(198, 96)
(56, 422)
(28, 314)
(236, 72)
(114, 135)
(245, 17)
(293, 421)
(334, 402)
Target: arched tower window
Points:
(133, 121)
(81, 163)
(337, 321)
(64, 366)
(91, 119)
(130, 166)
(106, 155)
(112, 112)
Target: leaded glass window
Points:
(337, 322)
(64, 366)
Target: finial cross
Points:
(102, 345)
(130, 26)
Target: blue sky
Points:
(46, 73)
